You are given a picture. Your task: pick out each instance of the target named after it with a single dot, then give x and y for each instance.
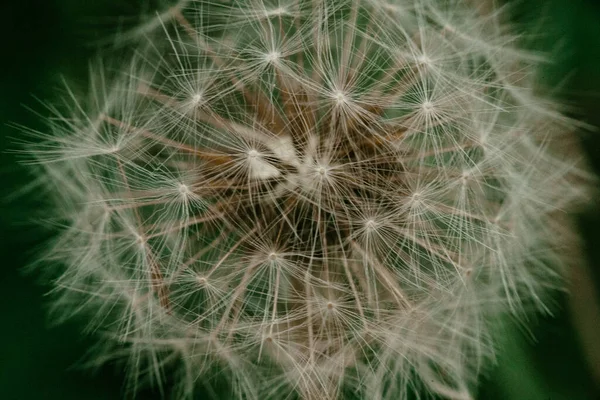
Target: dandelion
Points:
(315, 199)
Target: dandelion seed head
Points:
(314, 198)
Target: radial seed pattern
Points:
(314, 198)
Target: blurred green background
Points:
(42, 39)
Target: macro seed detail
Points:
(315, 198)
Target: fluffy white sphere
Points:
(312, 198)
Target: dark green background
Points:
(42, 39)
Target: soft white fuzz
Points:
(314, 199)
